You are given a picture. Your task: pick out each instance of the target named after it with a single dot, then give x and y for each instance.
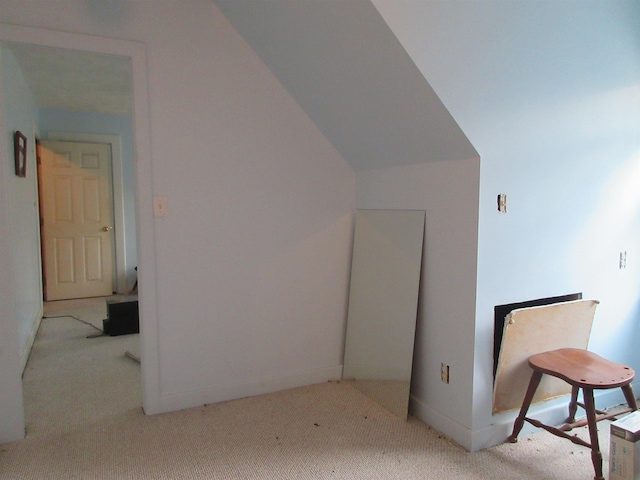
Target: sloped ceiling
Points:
(343, 65)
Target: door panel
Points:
(75, 183)
(93, 256)
(65, 270)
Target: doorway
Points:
(123, 212)
(76, 209)
(76, 219)
(12, 417)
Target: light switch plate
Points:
(159, 206)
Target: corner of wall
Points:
(26, 351)
(448, 427)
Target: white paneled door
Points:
(77, 219)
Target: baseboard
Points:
(221, 393)
(26, 351)
(451, 429)
(552, 412)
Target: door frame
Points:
(117, 196)
(12, 417)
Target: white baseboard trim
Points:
(221, 393)
(553, 412)
(451, 429)
(26, 351)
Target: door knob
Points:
(106, 229)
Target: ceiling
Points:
(344, 66)
(76, 80)
(338, 60)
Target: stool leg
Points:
(531, 390)
(630, 397)
(573, 404)
(596, 456)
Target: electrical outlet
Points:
(502, 203)
(444, 373)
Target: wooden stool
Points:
(580, 369)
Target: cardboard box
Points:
(624, 451)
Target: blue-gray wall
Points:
(549, 95)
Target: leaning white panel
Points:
(532, 330)
(383, 301)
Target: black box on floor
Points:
(122, 316)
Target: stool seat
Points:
(582, 370)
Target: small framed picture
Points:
(20, 153)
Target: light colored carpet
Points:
(89, 310)
(84, 421)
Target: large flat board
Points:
(532, 330)
(383, 302)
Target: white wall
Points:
(549, 95)
(21, 113)
(254, 253)
(12, 312)
(251, 263)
